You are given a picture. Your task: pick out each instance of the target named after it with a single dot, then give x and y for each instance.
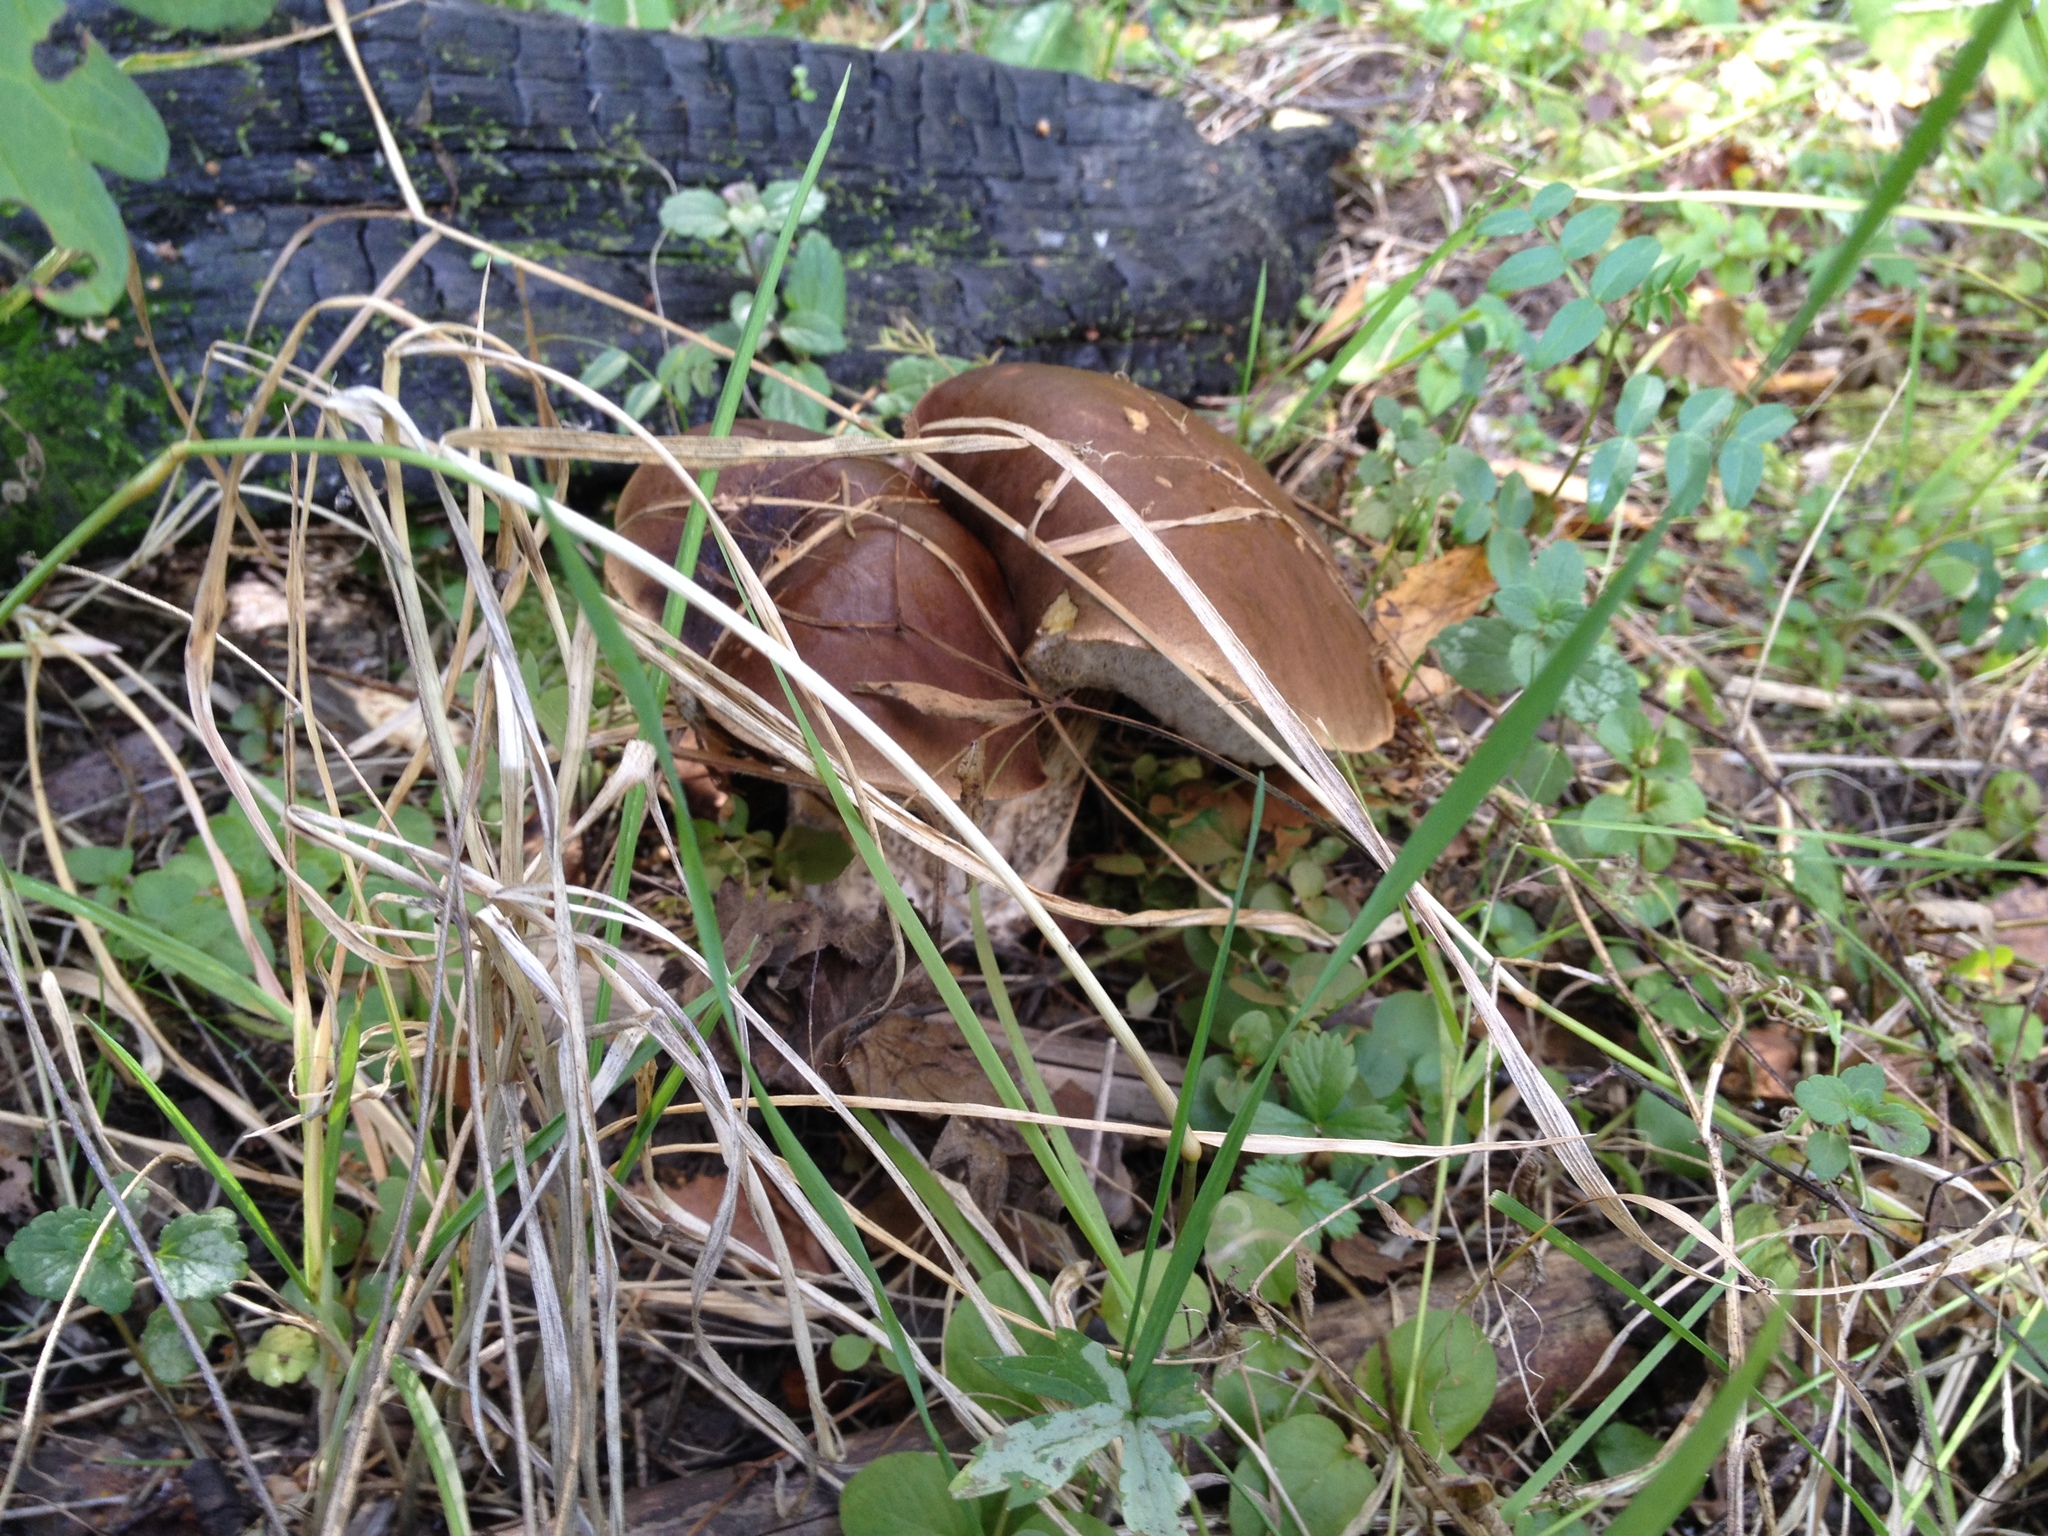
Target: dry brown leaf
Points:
(700, 1197)
(906, 1057)
(2021, 913)
(1708, 352)
(1428, 599)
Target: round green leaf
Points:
(1531, 268)
(45, 1256)
(695, 214)
(1825, 1098)
(1253, 1389)
(1246, 1234)
(1622, 270)
(852, 1351)
(163, 1347)
(283, 1355)
(906, 1495)
(1190, 1318)
(1827, 1154)
(1326, 1485)
(968, 1341)
(1453, 1372)
(1672, 1133)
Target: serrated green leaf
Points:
(779, 196)
(781, 403)
(201, 1254)
(1530, 268)
(1320, 1069)
(816, 284)
(805, 331)
(1622, 270)
(52, 134)
(46, 1254)
(283, 1355)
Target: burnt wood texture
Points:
(1041, 214)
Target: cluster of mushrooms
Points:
(956, 609)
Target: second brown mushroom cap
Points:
(1232, 527)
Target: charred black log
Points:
(1043, 214)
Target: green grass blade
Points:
(1251, 360)
(743, 357)
(1370, 321)
(208, 1159)
(1151, 1336)
(440, 1450)
(826, 1202)
(457, 1222)
(1497, 756)
(1536, 1225)
(1958, 85)
(1656, 1508)
(945, 1210)
(174, 955)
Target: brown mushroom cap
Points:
(1262, 565)
(887, 596)
(761, 503)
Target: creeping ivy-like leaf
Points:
(52, 134)
(46, 1254)
(201, 1255)
(163, 1347)
(1856, 1099)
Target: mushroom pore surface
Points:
(1215, 508)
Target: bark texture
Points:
(1043, 214)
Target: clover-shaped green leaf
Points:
(52, 134)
